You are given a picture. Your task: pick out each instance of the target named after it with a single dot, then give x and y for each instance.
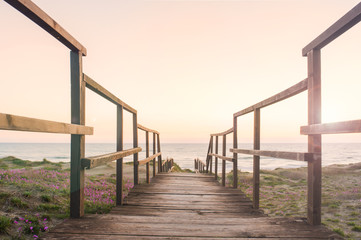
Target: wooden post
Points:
(154, 161)
(235, 157)
(195, 165)
(77, 149)
(207, 157)
(135, 144)
(224, 161)
(216, 161)
(314, 141)
(211, 157)
(147, 155)
(256, 163)
(160, 156)
(119, 169)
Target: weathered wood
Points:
(353, 126)
(314, 168)
(256, 164)
(154, 160)
(160, 156)
(208, 152)
(148, 159)
(290, 92)
(216, 160)
(224, 146)
(135, 145)
(147, 129)
(97, 88)
(37, 15)
(235, 156)
(210, 158)
(223, 133)
(147, 156)
(92, 162)
(18, 123)
(297, 156)
(221, 157)
(77, 148)
(119, 169)
(346, 22)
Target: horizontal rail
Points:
(97, 88)
(221, 157)
(289, 92)
(353, 126)
(298, 156)
(346, 22)
(37, 15)
(147, 129)
(223, 133)
(18, 123)
(148, 159)
(92, 162)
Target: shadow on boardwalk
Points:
(186, 206)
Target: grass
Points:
(35, 196)
(283, 193)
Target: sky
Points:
(186, 66)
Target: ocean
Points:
(184, 154)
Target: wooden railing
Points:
(314, 129)
(199, 165)
(77, 128)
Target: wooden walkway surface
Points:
(186, 206)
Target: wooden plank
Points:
(235, 157)
(97, 88)
(210, 158)
(216, 160)
(147, 156)
(221, 157)
(148, 159)
(92, 162)
(135, 145)
(223, 133)
(353, 126)
(18, 123)
(119, 168)
(297, 156)
(224, 146)
(160, 156)
(37, 15)
(289, 92)
(256, 163)
(141, 127)
(314, 168)
(346, 22)
(77, 145)
(208, 152)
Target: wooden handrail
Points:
(223, 133)
(353, 126)
(297, 156)
(97, 88)
(221, 157)
(346, 22)
(37, 15)
(147, 129)
(96, 161)
(18, 123)
(148, 159)
(289, 92)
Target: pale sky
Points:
(186, 66)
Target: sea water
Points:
(184, 154)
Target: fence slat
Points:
(119, 169)
(256, 164)
(135, 145)
(224, 149)
(353, 126)
(147, 155)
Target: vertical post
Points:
(77, 148)
(256, 164)
(211, 157)
(135, 145)
(207, 157)
(160, 156)
(154, 161)
(314, 141)
(216, 161)
(195, 165)
(235, 157)
(119, 169)
(147, 155)
(224, 161)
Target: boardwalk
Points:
(186, 206)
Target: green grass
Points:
(17, 202)
(339, 231)
(5, 224)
